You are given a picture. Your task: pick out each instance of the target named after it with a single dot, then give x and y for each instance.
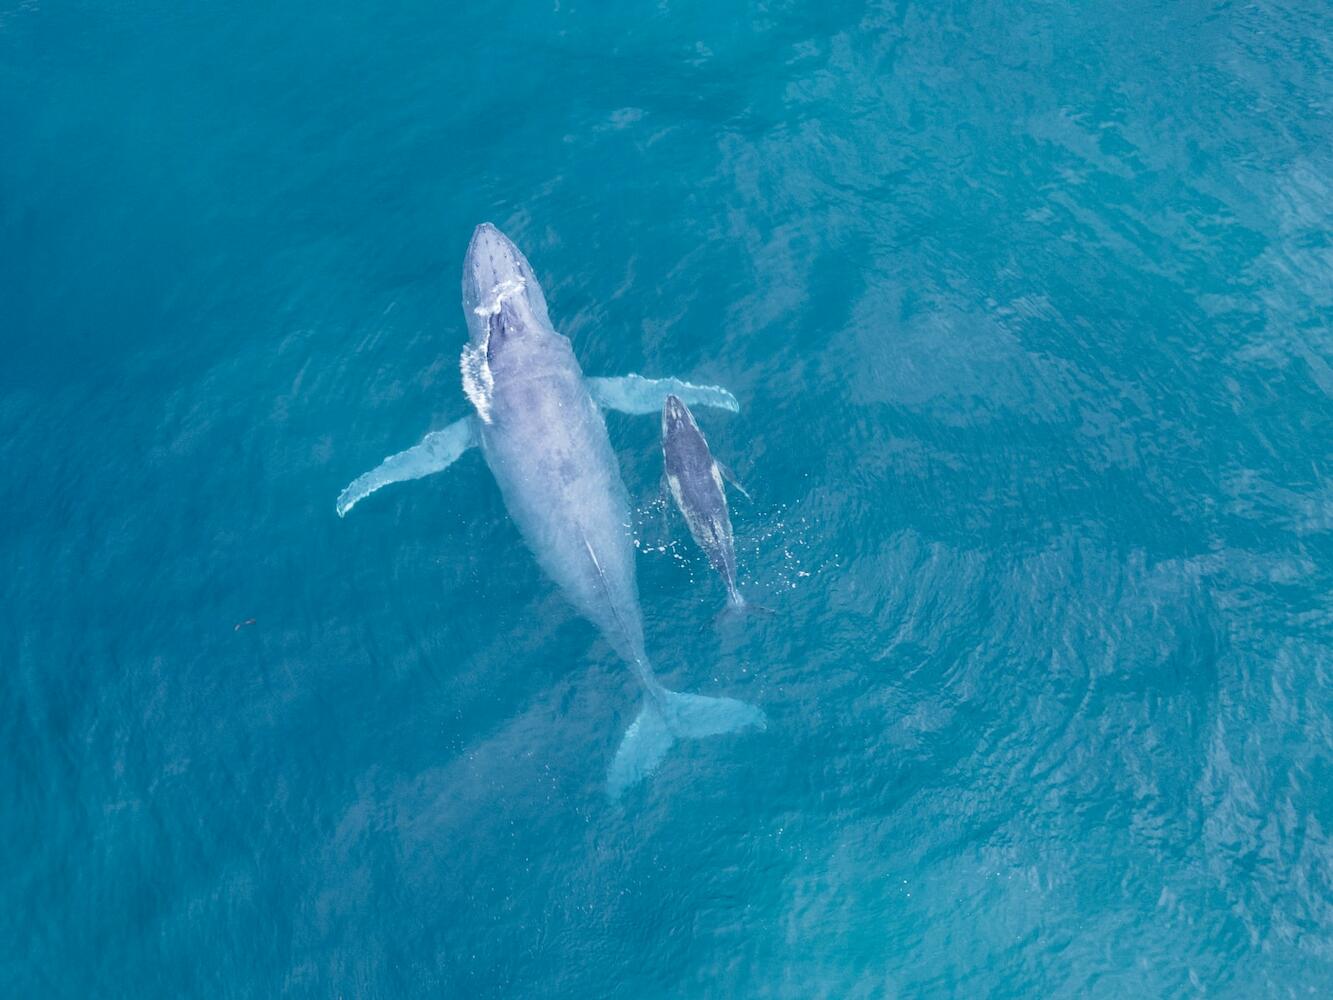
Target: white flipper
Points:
(636, 394)
(667, 716)
(436, 452)
(730, 477)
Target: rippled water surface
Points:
(1029, 308)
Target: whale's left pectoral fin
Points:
(636, 394)
(436, 452)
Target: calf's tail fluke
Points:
(738, 607)
(667, 716)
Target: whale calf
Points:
(694, 478)
(538, 423)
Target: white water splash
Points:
(500, 294)
(772, 548)
(478, 382)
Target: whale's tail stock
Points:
(667, 716)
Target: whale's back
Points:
(548, 449)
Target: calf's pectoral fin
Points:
(436, 452)
(730, 477)
(636, 394)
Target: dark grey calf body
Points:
(695, 480)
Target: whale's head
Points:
(508, 326)
(677, 420)
(501, 296)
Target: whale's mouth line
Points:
(500, 294)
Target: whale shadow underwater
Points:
(538, 422)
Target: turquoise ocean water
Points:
(1029, 308)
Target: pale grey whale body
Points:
(540, 428)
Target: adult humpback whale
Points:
(539, 426)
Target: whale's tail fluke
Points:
(667, 716)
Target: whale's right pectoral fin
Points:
(636, 394)
(436, 452)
